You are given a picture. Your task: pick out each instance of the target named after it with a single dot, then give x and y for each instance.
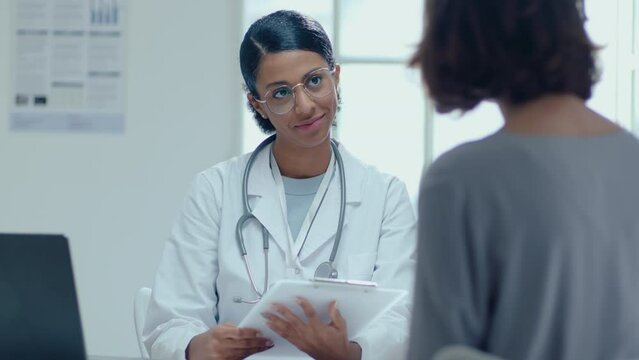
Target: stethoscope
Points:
(325, 269)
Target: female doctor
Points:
(294, 192)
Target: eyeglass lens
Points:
(317, 84)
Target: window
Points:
(385, 119)
(615, 26)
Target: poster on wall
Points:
(68, 66)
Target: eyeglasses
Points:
(317, 84)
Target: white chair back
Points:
(140, 305)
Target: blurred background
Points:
(115, 194)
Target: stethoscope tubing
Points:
(248, 216)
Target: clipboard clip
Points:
(370, 284)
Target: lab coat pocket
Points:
(361, 266)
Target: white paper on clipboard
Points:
(359, 304)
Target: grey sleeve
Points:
(447, 307)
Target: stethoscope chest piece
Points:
(326, 270)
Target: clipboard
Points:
(359, 302)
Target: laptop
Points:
(39, 315)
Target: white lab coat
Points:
(201, 269)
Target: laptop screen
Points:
(39, 316)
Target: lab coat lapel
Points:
(324, 228)
(264, 200)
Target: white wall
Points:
(115, 196)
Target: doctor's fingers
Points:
(336, 317)
(248, 344)
(285, 329)
(230, 331)
(288, 316)
(309, 311)
(290, 330)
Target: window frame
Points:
(427, 144)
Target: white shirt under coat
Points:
(201, 269)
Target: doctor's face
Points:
(308, 123)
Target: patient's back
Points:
(534, 250)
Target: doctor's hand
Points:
(226, 342)
(315, 338)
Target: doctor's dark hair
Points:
(282, 30)
(510, 50)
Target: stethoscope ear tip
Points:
(237, 299)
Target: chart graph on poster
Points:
(68, 66)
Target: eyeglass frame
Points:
(331, 72)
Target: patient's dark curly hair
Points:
(510, 50)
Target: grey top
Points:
(299, 196)
(529, 248)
